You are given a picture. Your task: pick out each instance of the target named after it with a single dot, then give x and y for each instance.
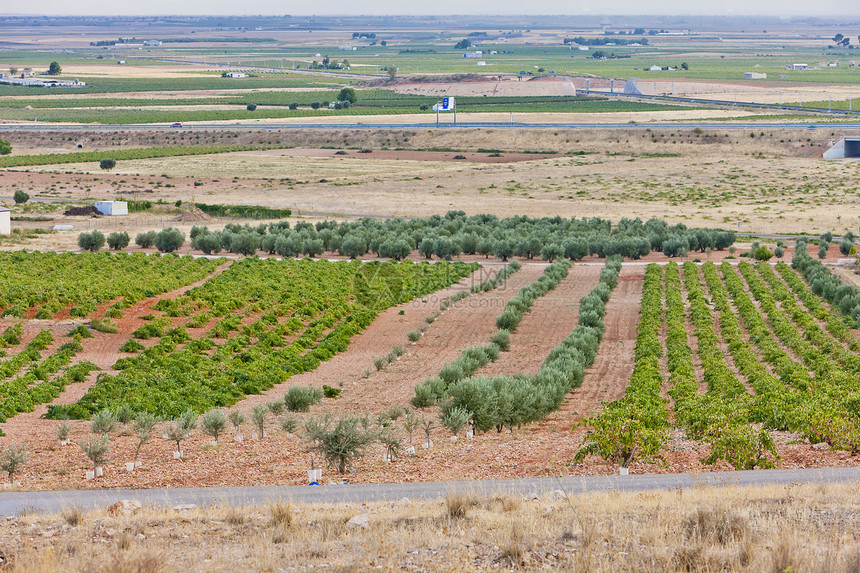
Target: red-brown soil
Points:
(549, 321)
(542, 449)
(609, 375)
(468, 322)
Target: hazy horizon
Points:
(772, 8)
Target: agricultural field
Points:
(770, 181)
(391, 303)
(517, 356)
(401, 72)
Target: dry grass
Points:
(775, 528)
(773, 182)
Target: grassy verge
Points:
(773, 528)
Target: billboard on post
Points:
(447, 104)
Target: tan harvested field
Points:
(489, 117)
(648, 83)
(504, 88)
(137, 71)
(709, 528)
(775, 182)
(751, 91)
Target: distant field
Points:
(276, 105)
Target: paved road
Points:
(52, 501)
(268, 126)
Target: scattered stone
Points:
(359, 521)
(405, 500)
(124, 507)
(184, 507)
(140, 537)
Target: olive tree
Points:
(339, 441)
(12, 458)
(91, 241)
(169, 240)
(118, 241)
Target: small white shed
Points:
(5, 221)
(112, 207)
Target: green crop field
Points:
(272, 319)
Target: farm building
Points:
(799, 66)
(112, 207)
(42, 83)
(477, 54)
(236, 75)
(754, 76)
(847, 147)
(5, 221)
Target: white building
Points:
(236, 75)
(42, 83)
(799, 66)
(754, 76)
(477, 54)
(112, 207)
(152, 42)
(583, 48)
(5, 221)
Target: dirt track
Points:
(550, 320)
(609, 375)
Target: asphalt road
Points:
(12, 502)
(269, 126)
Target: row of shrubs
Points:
(825, 285)
(455, 234)
(434, 390)
(511, 401)
(166, 241)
